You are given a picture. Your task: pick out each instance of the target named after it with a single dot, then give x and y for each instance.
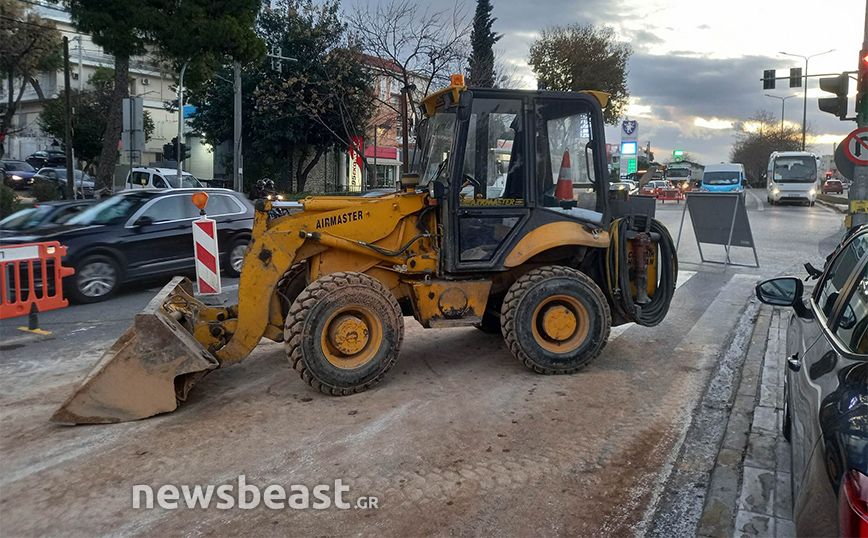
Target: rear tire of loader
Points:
(555, 320)
(343, 333)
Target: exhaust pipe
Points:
(148, 371)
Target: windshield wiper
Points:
(440, 168)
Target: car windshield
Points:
(26, 218)
(802, 169)
(678, 173)
(18, 166)
(108, 211)
(436, 147)
(730, 177)
(187, 180)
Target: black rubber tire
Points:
(291, 285)
(307, 319)
(72, 283)
(227, 267)
(521, 301)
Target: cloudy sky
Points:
(696, 64)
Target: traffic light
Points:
(839, 85)
(795, 77)
(185, 152)
(769, 79)
(169, 152)
(862, 88)
(678, 155)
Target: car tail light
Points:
(853, 505)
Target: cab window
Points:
(494, 161)
(564, 135)
(158, 182)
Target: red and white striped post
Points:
(205, 248)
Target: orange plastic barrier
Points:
(31, 273)
(670, 194)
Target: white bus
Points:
(793, 176)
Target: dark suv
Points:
(141, 234)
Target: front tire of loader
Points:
(343, 333)
(555, 320)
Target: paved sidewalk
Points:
(750, 492)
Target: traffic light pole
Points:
(859, 184)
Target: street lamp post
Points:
(180, 120)
(805, 76)
(783, 102)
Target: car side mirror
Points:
(783, 291)
(144, 221)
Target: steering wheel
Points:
(468, 180)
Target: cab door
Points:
(488, 191)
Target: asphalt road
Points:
(459, 439)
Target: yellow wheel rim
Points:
(560, 324)
(351, 337)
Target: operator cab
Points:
(502, 163)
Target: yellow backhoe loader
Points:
(508, 225)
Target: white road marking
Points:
(759, 202)
(683, 276)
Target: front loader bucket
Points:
(146, 372)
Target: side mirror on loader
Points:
(436, 190)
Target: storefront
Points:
(387, 163)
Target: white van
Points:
(723, 177)
(793, 177)
(160, 178)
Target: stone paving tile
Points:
(783, 505)
(751, 524)
(757, 491)
(737, 428)
(760, 451)
(764, 418)
(784, 528)
(783, 455)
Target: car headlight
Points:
(280, 197)
(16, 177)
(812, 192)
(776, 191)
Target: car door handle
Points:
(794, 363)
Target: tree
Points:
(29, 45)
(88, 120)
(757, 138)
(482, 40)
(194, 31)
(293, 112)
(579, 57)
(414, 47)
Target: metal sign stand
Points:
(746, 231)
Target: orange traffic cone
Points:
(564, 190)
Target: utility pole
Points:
(783, 103)
(805, 88)
(237, 170)
(70, 171)
(859, 184)
(180, 120)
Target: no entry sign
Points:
(856, 146)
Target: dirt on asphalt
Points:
(459, 439)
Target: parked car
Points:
(160, 178)
(84, 184)
(42, 214)
(140, 234)
(652, 187)
(833, 186)
(50, 157)
(17, 174)
(826, 391)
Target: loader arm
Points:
(178, 338)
